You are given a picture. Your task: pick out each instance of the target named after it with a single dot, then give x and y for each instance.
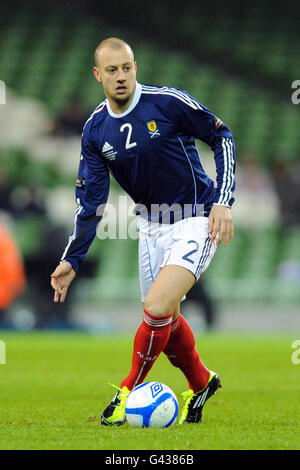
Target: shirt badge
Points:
(153, 130)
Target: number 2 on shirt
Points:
(128, 143)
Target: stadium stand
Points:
(55, 53)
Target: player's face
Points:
(116, 71)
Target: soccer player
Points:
(144, 136)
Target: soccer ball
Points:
(151, 405)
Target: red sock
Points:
(182, 353)
(150, 339)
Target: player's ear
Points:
(135, 65)
(97, 74)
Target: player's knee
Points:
(158, 309)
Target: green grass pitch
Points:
(54, 387)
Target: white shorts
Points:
(185, 243)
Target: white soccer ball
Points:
(151, 405)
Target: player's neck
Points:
(120, 108)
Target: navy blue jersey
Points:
(150, 150)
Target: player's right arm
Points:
(61, 278)
(92, 189)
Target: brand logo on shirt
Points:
(153, 130)
(108, 151)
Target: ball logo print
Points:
(151, 405)
(156, 388)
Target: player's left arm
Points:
(220, 224)
(220, 139)
(197, 120)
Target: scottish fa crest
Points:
(153, 130)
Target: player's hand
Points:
(61, 278)
(220, 224)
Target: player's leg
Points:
(170, 285)
(162, 290)
(167, 290)
(182, 353)
(194, 250)
(151, 254)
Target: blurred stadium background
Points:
(236, 57)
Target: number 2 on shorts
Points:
(190, 253)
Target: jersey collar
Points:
(136, 98)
